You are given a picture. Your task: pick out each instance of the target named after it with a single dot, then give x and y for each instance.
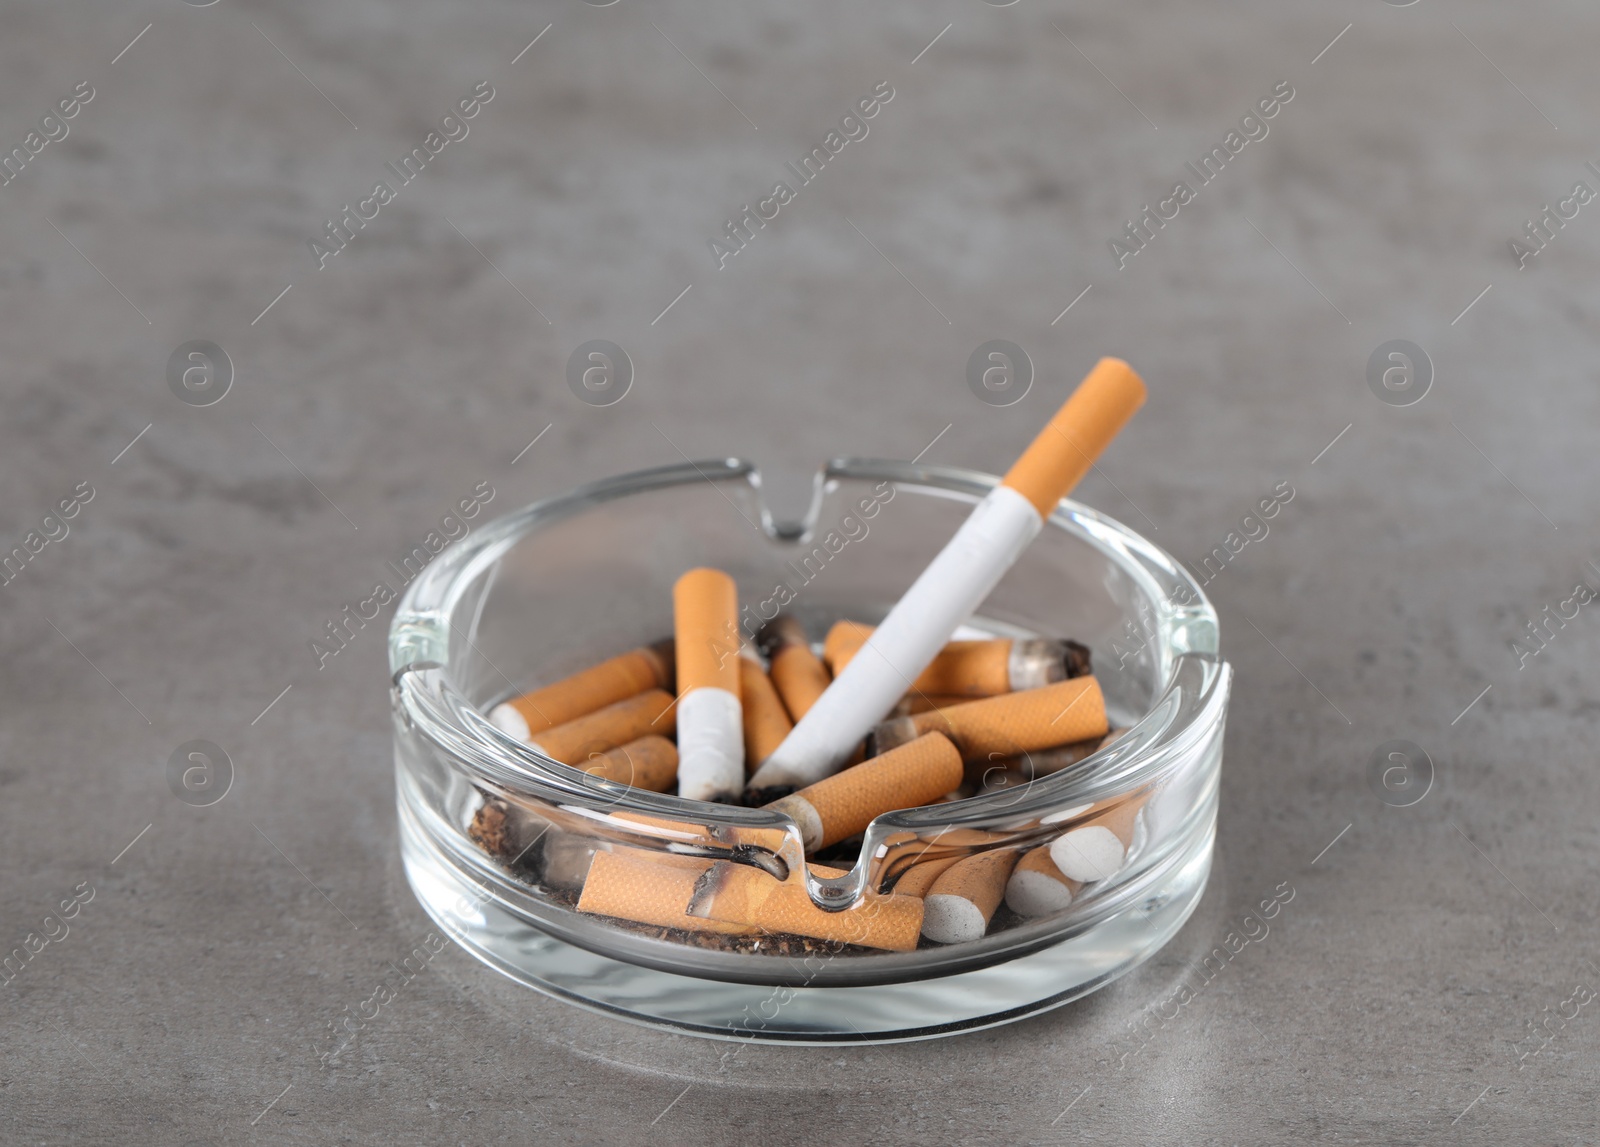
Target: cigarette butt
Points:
(1037, 887)
(1067, 447)
(958, 579)
(507, 832)
(603, 730)
(969, 669)
(1046, 762)
(648, 667)
(766, 721)
(835, 809)
(1097, 848)
(565, 859)
(799, 675)
(705, 607)
(963, 899)
(650, 762)
(742, 895)
(918, 878)
(1009, 724)
(904, 852)
(647, 888)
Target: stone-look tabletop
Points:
(214, 946)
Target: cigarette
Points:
(565, 860)
(1037, 887)
(742, 895)
(697, 895)
(766, 721)
(962, 901)
(507, 832)
(844, 804)
(650, 762)
(969, 669)
(648, 888)
(1097, 848)
(918, 878)
(648, 667)
(705, 607)
(527, 843)
(1009, 724)
(799, 675)
(958, 579)
(603, 730)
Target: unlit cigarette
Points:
(958, 579)
(1037, 887)
(1012, 723)
(648, 667)
(766, 721)
(1097, 848)
(843, 805)
(962, 901)
(651, 762)
(705, 606)
(648, 888)
(603, 730)
(798, 674)
(740, 894)
(969, 669)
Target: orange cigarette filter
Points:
(918, 878)
(650, 762)
(962, 901)
(648, 667)
(649, 889)
(1096, 848)
(968, 669)
(740, 894)
(844, 804)
(705, 606)
(603, 730)
(766, 721)
(904, 851)
(1066, 448)
(1012, 723)
(1037, 887)
(799, 674)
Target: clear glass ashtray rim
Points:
(419, 641)
(1189, 709)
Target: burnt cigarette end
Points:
(780, 633)
(1036, 661)
(1077, 659)
(506, 833)
(892, 734)
(755, 798)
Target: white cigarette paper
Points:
(943, 596)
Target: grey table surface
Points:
(1394, 1000)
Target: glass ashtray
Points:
(497, 838)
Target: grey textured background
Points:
(201, 980)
